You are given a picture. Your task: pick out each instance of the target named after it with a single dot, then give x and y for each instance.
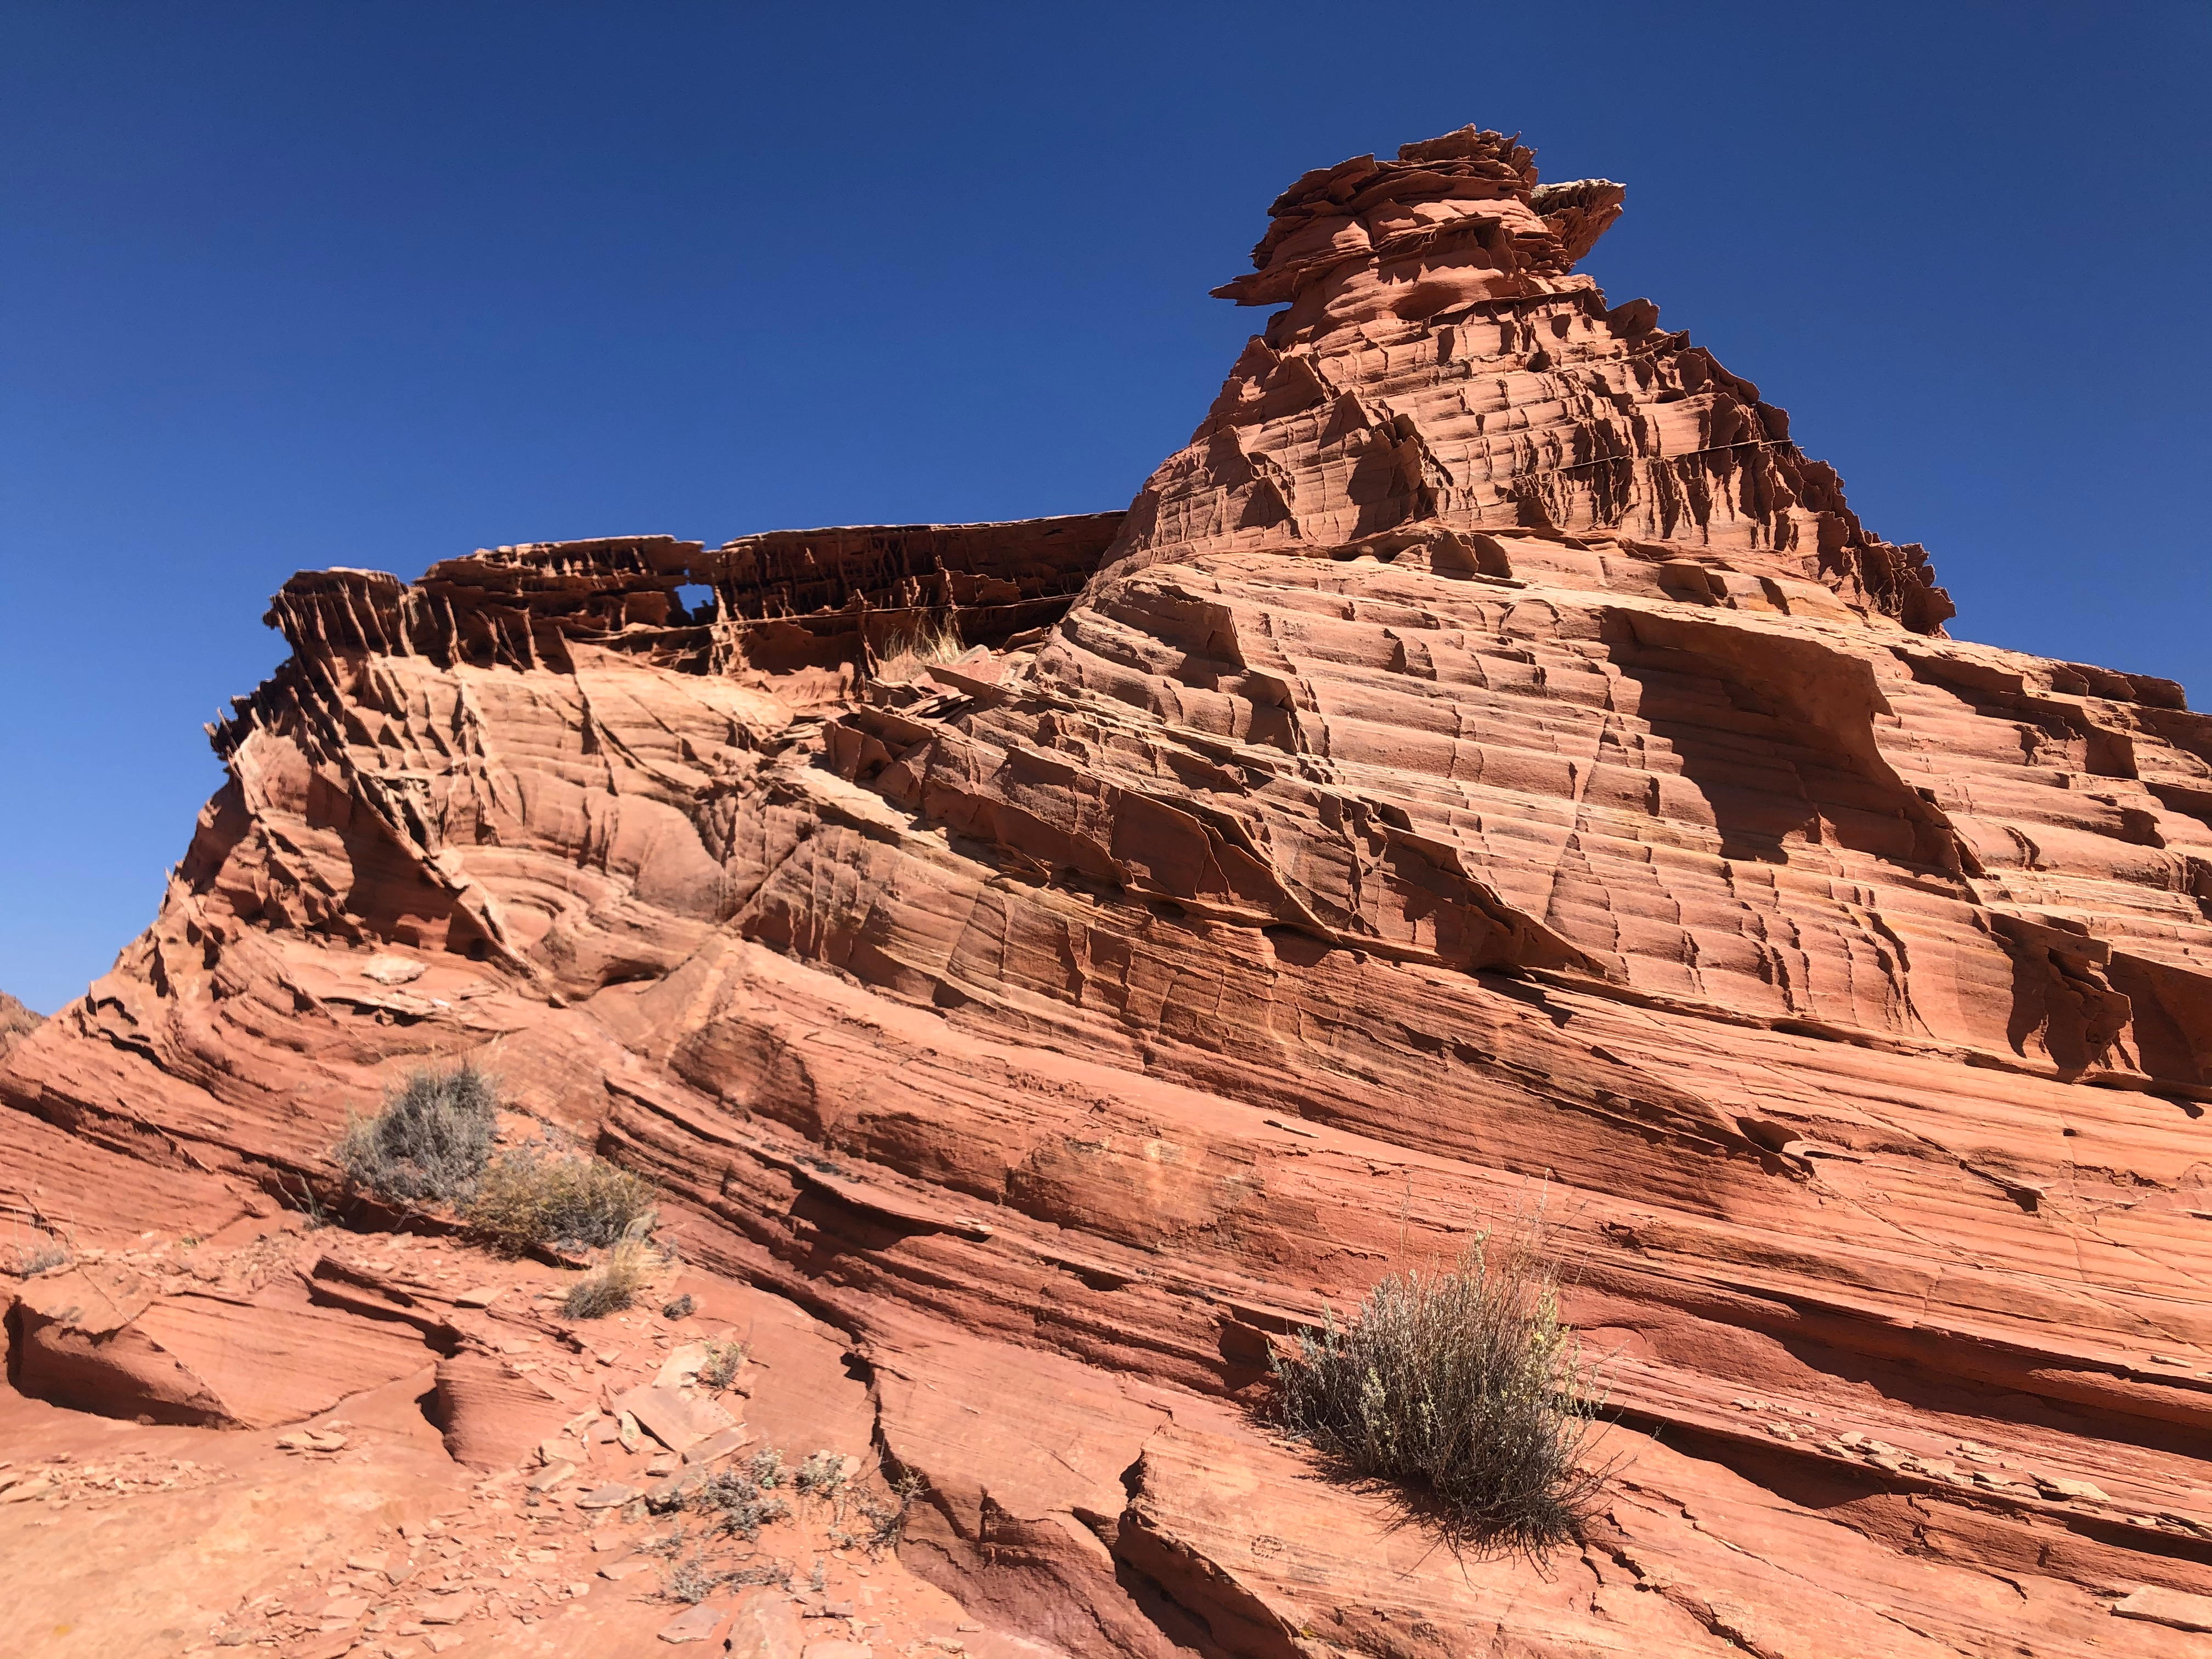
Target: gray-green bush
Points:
(739, 1500)
(431, 1141)
(822, 1475)
(1463, 1386)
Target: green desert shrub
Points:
(530, 1196)
(1462, 1387)
(431, 1141)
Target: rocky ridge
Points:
(1489, 773)
(16, 1022)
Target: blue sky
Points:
(299, 285)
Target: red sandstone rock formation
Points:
(1489, 767)
(15, 1022)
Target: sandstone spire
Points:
(1442, 375)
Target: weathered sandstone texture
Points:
(1489, 772)
(15, 1022)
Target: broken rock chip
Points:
(2156, 1605)
(448, 1609)
(676, 1420)
(550, 1476)
(766, 1627)
(2078, 1491)
(613, 1496)
(719, 1444)
(698, 1624)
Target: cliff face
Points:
(1489, 768)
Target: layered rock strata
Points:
(1489, 776)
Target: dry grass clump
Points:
(42, 1254)
(529, 1196)
(1463, 1386)
(911, 649)
(431, 1141)
(724, 1361)
(612, 1286)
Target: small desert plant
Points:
(1462, 1386)
(910, 649)
(611, 1286)
(431, 1141)
(528, 1196)
(724, 1361)
(822, 1475)
(681, 1308)
(29, 1261)
(310, 1203)
(737, 1501)
(766, 1467)
(887, 1520)
(691, 1579)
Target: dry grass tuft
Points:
(529, 1196)
(41, 1256)
(724, 1361)
(431, 1141)
(1463, 1386)
(910, 650)
(612, 1286)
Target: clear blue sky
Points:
(290, 285)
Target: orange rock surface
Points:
(1488, 772)
(15, 1021)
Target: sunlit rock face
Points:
(1489, 773)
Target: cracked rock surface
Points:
(1489, 771)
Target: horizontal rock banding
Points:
(1489, 770)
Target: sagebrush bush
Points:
(431, 1141)
(692, 1578)
(611, 1286)
(823, 1474)
(529, 1196)
(1461, 1386)
(738, 1500)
